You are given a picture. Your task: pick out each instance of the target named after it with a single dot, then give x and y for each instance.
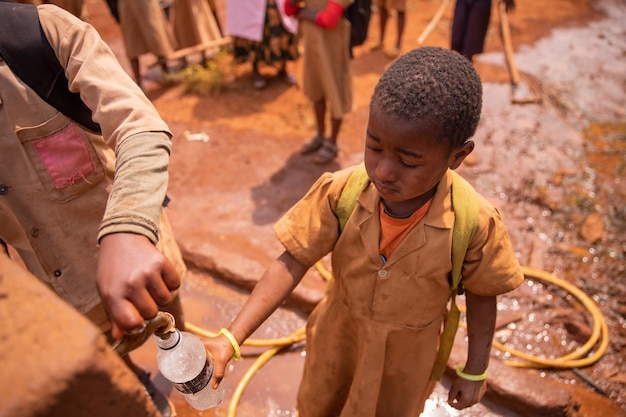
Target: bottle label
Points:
(198, 383)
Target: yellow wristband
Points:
(470, 377)
(233, 342)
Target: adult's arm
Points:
(132, 277)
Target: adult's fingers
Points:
(170, 275)
(124, 318)
(159, 291)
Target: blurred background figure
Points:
(194, 23)
(469, 25)
(384, 7)
(75, 7)
(112, 4)
(327, 74)
(262, 34)
(145, 30)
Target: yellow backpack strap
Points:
(357, 181)
(465, 207)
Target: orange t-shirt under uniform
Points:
(393, 229)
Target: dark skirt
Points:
(469, 26)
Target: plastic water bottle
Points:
(183, 360)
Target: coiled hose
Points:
(576, 359)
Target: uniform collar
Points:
(440, 214)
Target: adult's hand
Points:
(134, 279)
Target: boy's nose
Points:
(385, 170)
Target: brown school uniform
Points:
(327, 68)
(371, 343)
(193, 23)
(56, 177)
(144, 28)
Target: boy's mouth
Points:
(384, 188)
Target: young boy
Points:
(372, 342)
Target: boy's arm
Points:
(481, 321)
(278, 281)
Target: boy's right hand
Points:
(222, 352)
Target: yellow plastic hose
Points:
(260, 361)
(295, 337)
(576, 359)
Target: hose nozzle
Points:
(161, 325)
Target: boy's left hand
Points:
(465, 393)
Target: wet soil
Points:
(554, 169)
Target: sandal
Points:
(312, 145)
(326, 153)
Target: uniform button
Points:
(57, 273)
(383, 273)
(4, 189)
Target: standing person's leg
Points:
(394, 51)
(285, 75)
(383, 16)
(320, 117)
(257, 79)
(459, 26)
(328, 151)
(314, 144)
(401, 16)
(477, 25)
(335, 125)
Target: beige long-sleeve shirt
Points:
(63, 187)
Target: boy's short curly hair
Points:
(434, 87)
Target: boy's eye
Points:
(408, 165)
(372, 147)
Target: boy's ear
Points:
(459, 154)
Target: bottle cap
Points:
(168, 340)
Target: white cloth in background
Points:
(245, 18)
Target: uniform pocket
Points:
(64, 159)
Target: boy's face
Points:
(405, 161)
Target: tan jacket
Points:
(372, 342)
(57, 194)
